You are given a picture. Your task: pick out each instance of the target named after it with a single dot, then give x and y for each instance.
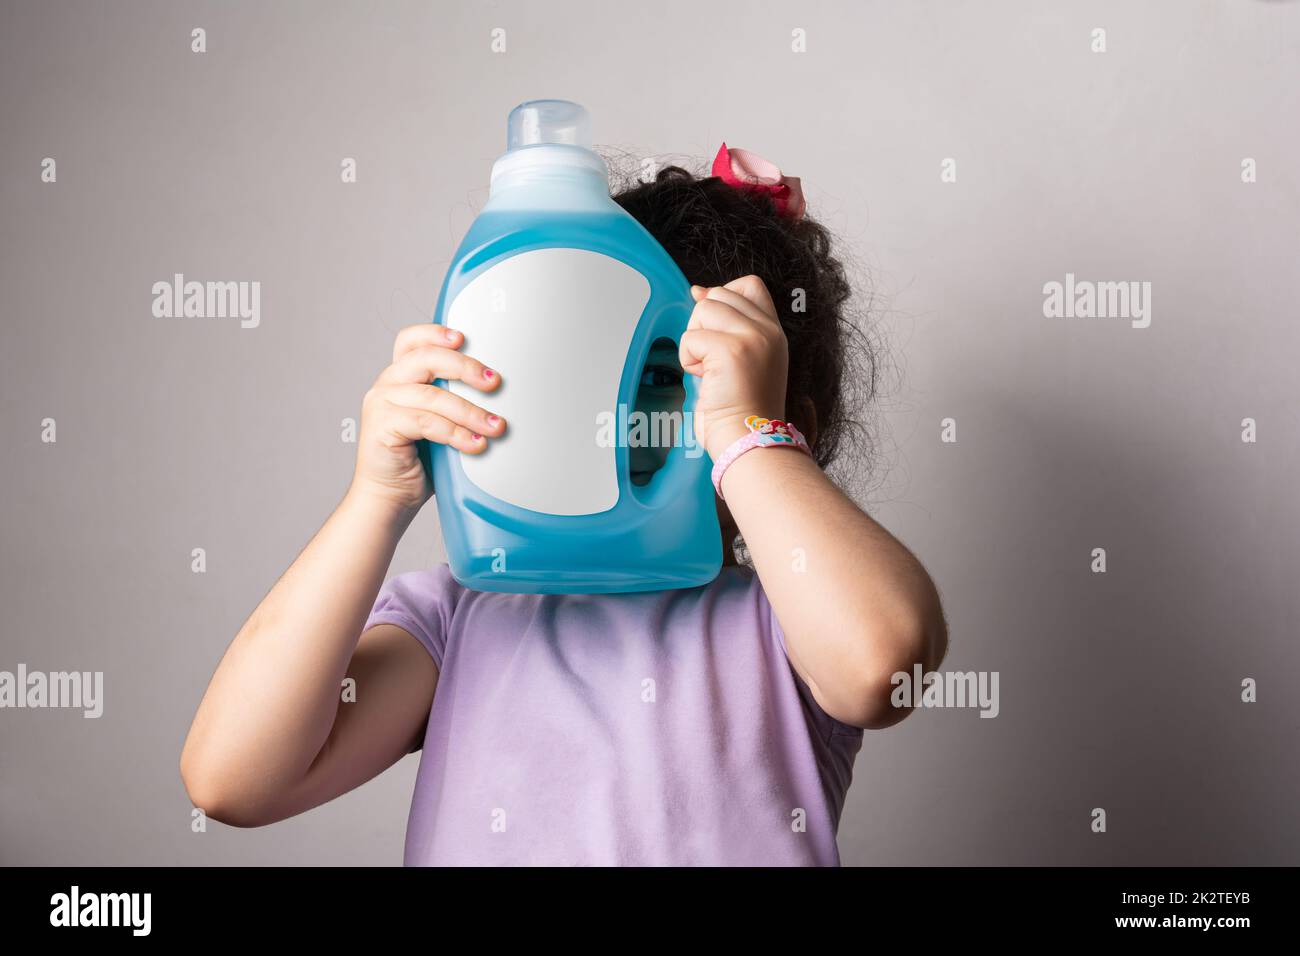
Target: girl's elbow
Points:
(873, 702)
(210, 792)
(873, 705)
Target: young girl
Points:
(714, 725)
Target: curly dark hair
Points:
(717, 233)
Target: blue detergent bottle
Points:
(563, 292)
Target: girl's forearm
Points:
(272, 702)
(855, 605)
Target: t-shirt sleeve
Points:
(421, 603)
(830, 725)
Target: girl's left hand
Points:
(735, 344)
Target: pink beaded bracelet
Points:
(763, 433)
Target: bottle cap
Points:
(541, 122)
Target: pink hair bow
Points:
(746, 170)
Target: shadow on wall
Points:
(1118, 690)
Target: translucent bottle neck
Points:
(550, 176)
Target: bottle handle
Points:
(674, 477)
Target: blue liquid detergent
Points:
(561, 291)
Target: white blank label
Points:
(557, 324)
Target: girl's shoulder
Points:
(436, 579)
(422, 603)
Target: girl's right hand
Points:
(402, 407)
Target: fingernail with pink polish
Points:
(489, 374)
(493, 419)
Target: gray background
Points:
(1118, 691)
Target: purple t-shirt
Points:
(655, 728)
